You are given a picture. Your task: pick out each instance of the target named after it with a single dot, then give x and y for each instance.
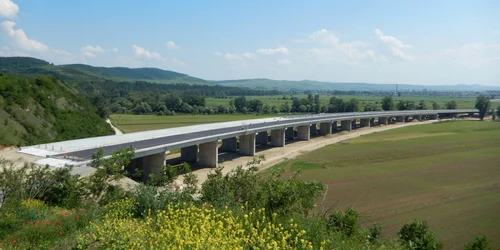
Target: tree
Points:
(142, 108)
(482, 104)
(451, 105)
(285, 108)
(371, 107)
(435, 106)
(479, 243)
(416, 235)
(387, 103)
(498, 111)
(405, 105)
(240, 103)
(421, 105)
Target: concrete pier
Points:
(229, 145)
(417, 117)
(354, 124)
(382, 121)
(325, 128)
(304, 133)
(151, 164)
(247, 145)
(346, 125)
(433, 117)
(208, 155)
(365, 122)
(262, 138)
(278, 138)
(314, 129)
(189, 154)
(400, 118)
(334, 127)
(290, 133)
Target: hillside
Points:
(269, 84)
(28, 66)
(44, 109)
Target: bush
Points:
(479, 243)
(375, 232)
(416, 235)
(346, 222)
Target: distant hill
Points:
(28, 66)
(269, 84)
(44, 109)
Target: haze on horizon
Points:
(423, 42)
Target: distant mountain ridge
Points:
(28, 66)
(269, 84)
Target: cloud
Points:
(333, 47)
(114, 50)
(236, 57)
(477, 55)
(284, 61)
(279, 50)
(393, 46)
(19, 38)
(92, 49)
(172, 45)
(142, 52)
(8, 9)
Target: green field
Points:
(136, 123)
(446, 173)
(462, 102)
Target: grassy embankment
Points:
(446, 173)
(462, 102)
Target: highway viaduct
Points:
(200, 143)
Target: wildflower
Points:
(77, 216)
(14, 241)
(61, 233)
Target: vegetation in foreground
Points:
(52, 209)
(446, 173)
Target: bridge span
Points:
(200, 143)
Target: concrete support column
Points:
(334, 126)
(208, 155)
(247, 145)
(278, 138)
(382, 121)
(290, 133)
(152, 164)
(354, 124)
(417, 117)
(365, 122)
(314, 129)
(189, 154)
(372, 122)
(304, 133)
(229, 145)
(262, 138)
(346, 125)
(407, 118)
(400, 118)
(433, 117)
(325, 128)
(471, 114)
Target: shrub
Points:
(479, 243)
(346, 222)
(416, 235)
(375, 232)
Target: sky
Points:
(435, 42)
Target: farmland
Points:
(135, 123)
(446, 173)
(462, 102)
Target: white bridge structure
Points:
(199, 144)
